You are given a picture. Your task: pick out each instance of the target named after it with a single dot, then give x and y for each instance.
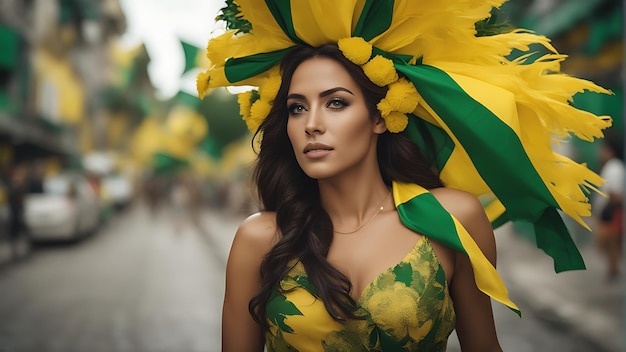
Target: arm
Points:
(252, 242)
(475, 325)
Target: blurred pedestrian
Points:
(36, 177)
(609, 231)
(17, 188)
(180, 198)
(196, 202)
(154, 193)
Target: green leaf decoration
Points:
(387, 342)
(304, 281)
(278, 343)
(404, 273)
(279, 303)
(231, 14)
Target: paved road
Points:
(135, 286)
(141, 286)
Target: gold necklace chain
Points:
(380, 208)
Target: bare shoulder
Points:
(468, 210)
(254, 238)
(258, 231)
(459, 203)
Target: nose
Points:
(314, 122)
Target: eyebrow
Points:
(322, 94)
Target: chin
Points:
(319, 173)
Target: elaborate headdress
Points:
(493, 118)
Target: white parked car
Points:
(118, 189)
(68, 209)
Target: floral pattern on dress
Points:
(406, 308)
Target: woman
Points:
(609, 230)
(329, 196)
(362, 115)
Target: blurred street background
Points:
(120, 190)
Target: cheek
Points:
(358, 130)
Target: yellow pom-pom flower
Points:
(253, 124)
(396, 121)
(385, 107)
(258, 112)
(380, 70)
(269, 88)
(260, 109)
(243, 99)
(402, 96)
(202, 83)
(355, 49)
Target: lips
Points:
(316, 147)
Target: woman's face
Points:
(329, 124)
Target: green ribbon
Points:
(439, 150)
(552, 237)
(375, 18)
(281, 10)
(238, 69)
(506, 168)
(425, 215)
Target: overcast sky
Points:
(161, 24)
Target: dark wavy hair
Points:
(306, 230)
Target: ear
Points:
(379, 125)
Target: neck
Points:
(355, 201)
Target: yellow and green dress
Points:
(405, 308)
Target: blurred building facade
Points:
(54, 68)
